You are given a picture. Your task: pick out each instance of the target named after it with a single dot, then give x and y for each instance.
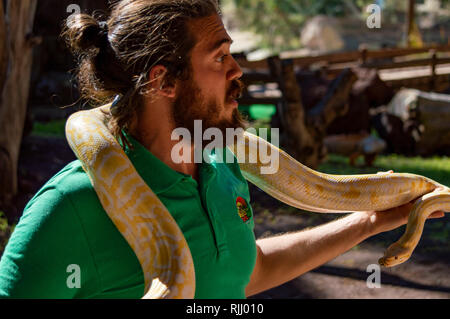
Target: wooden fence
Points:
(425, 68)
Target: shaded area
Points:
(41, 157)
(386, 278)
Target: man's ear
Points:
(158, 81)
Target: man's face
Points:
(211, 91)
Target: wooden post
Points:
(4, 52)
(410, 16)
(413, 34)
(16, 41)
(298, 140)
(363, 55)
(332, 105)
(433, 70)
(274, 65)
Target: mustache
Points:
(236, 89)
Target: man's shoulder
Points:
(71, 179)
(53, 231)
(70, 184)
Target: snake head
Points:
(395, 255)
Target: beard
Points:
(190, 105)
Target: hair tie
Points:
(103, 34)
(119, 101)
(103, 26)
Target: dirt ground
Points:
(425, 275)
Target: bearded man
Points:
(166, 64)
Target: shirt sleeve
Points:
(48, 255)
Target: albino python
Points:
(159, 244)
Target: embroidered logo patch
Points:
(243, 209)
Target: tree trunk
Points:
(414, 39)
(16, 41)
(304, 132)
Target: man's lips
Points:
(232, 100)
(234, 103)
(234, 93)
(234, 97)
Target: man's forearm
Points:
(288, 256)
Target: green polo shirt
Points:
(65, 245)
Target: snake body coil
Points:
(159, 243)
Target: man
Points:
(65, 246)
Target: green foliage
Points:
(436, 168)
(3, 222)
(439, 231)
(52, 128)
(275, 21)
(5, 231)
(279, 22)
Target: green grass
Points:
(436, 168)
(5, 231)
(258, 111)
(262, 111)
(53, 128)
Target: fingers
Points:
(391, 171)
(438, 214)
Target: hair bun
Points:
(83, 32)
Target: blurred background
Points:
(354, 86)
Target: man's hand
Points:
(393, 218)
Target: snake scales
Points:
(160, 245)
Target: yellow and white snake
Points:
(158, 242)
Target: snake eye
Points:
(396, 257)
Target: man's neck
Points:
(154, 131)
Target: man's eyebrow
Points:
(219, 43)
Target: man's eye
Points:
(221, 58)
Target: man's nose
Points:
(235, 71)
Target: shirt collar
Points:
(156, 174)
